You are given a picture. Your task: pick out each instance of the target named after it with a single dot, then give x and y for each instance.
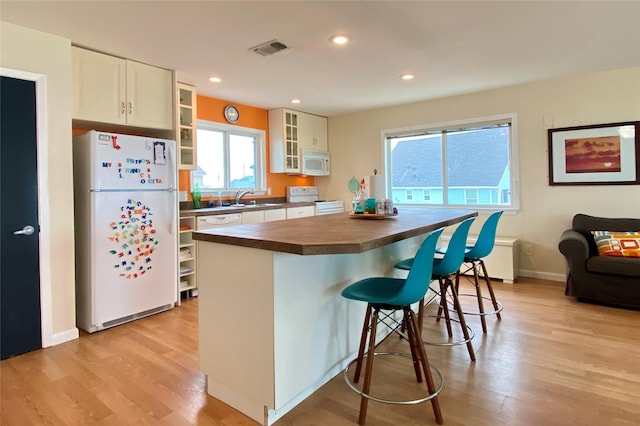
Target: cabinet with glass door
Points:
(187, 126)
(284, 128)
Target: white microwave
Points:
(315, 163)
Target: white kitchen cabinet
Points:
(108, 89)
(313, 132)
(289, 132)
(252, 217)
(283, 140)
(304, 211)
(187, 278)
(275, 214)
(187, 126)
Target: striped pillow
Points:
(616, 243)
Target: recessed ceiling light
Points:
(295, 101)
(407, 76)
(215, 79)
(340, 39)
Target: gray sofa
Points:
(602, 279)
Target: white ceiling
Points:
(453, 47)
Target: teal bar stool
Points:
(445, 270)
(384, 296)
(473, 261)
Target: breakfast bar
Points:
(273, 327)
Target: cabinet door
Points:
(187, 122)
(295, 212)
(275, 214)
(99, 87)
(292, 129)
(320, 131)
(284, 136)
(312, 132)
(252, 217)
(305, 131)
(149, 96)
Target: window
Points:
(229, 158)
(467, 163)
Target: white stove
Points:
(296, 194)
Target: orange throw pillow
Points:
(615, 243)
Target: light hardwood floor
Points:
(550, 361)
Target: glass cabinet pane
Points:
(186, 137)
(186, 116)
(186, 97)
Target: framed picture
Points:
(601, 154)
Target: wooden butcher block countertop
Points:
(334, 233)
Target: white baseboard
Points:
(552, 276)
(62, 337)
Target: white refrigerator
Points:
(126, 228)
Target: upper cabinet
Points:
(109, 89)
(289, 132)
(314, 132)
(283, 140)
(187, 126)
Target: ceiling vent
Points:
(268, 48)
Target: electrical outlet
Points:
(268, 191)
(528, 249)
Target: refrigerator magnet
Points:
(159, 153)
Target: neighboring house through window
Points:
(229, 158)
(466, 163)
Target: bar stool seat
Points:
(384, 297)
(444, 268)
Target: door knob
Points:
(27, 230)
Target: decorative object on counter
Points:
(384, 206)
(353, 185)
(356, 215)
(196, 196)
(358, 202)
(374, 187)
(370, 205)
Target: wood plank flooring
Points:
(550, 361)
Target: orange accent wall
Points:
(211, 109)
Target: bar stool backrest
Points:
(417, 282)
(486, 239)
(455, 253)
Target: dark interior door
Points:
(20, 323)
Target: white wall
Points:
(36, 52)
(606, 97)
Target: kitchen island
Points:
(273, 327)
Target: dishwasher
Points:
(218, 220)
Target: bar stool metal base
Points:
(388, 401)
(494, 312)
(454, 343)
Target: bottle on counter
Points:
(196, 196)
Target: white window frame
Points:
(511, 118)
(260, 162)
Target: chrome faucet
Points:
(240, 193)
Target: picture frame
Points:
(599, 154)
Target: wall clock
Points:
(231, 114)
